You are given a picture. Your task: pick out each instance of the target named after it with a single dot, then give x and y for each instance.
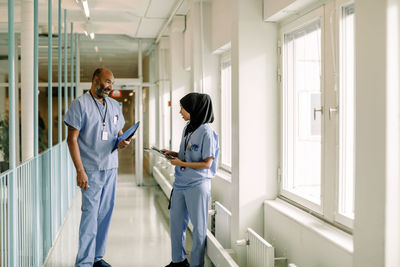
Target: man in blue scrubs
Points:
(94, 123)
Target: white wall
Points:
(303, 239)
(392, 236)
(370, 24)
(221, 19)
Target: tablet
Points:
(153, 148)
(126, 135)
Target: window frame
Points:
(341, 4)
(284, 29)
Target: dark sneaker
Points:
(101, 263)
(184, 263)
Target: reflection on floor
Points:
(139, 233)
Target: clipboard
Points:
(153, 148)
(126, 135)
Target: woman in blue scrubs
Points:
(195, 166)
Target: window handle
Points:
(331, 110)
(318, 110)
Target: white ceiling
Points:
(117, 25)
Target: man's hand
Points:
(124, 143)
(82, 180)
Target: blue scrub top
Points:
(203, 143)
(84, 116)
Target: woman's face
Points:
(185, 114)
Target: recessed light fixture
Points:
(96, 48)
(91, 35)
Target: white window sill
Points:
(224, 175)
(332, 234)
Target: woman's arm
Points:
(205, 164)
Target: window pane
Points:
(346, 114)
(226, 114)
(301, 112)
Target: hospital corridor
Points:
(201, 133)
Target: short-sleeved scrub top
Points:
(86, 114)
(200, 144)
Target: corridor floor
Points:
(139, 232)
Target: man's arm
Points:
(72, 140)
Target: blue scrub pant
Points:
(189, 203)
(97, 208)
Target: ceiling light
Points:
(131, 94)
(101, 59)
(96, 48)
(125, 100)
(91, 35)
(86, 33)
(86, 8)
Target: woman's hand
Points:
(169, 152)
(176, 161)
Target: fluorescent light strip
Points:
(86, 8)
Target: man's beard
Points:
(100, 91)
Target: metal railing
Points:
(43, 191)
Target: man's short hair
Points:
(97, 73)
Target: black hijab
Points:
(200, 109)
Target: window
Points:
(318, 117)
(302, 112)
(226, 112)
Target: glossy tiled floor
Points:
(139, 233)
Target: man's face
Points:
(104, 84)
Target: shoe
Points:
(101, 263)
(184, 263)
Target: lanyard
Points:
(105, 113)
(187, 139)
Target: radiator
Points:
(223, 225)
(259, 252)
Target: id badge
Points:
(104, 136)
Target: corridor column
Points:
(27, 80)
(139, 117)
(180, 78)
(377, 218)
(254, 68)
(162, 138)
(12, 186)
(72, 61)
